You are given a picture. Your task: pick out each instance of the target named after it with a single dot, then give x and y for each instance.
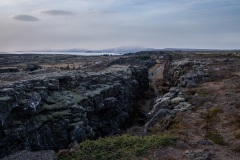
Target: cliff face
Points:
(54, 111)
(184, 72)
(180, 73)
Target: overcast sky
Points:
(98, 24)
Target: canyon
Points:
(193, 96)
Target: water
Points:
(70, 53)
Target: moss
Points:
(143, 57)
(60, 114)
(43, 118)
(97, 91)
(212, 113)
(203, 93)
(57, 106)
(5, 99)
(119, 147)
(215, 137)
(211, 118)
(52, 116)
(177, 123)
(80, 123)
(237, 134)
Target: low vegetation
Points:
(212, 113)
(212, 118)
(119, 147)
(215, 137)
(143, 57)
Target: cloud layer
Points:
(98, 24)
(56, 12)
(26, 18)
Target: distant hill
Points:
(123, 49)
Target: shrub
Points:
(119, 147)
(212, 118)
(213, 112)
(237, 134)
(215, 137)
(143, 57)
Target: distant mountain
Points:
(189, 49)
(123, 49)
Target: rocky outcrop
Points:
(68, 107)
(133, 61)
(8, 70)
(32, 67)
(184, 72)
(179, 73)
(27, 155)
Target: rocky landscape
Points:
(192, 96)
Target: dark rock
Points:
(199, 154)
(205, 142)
(70, 107)
(177, 100)
(27, 155)
(32, 67)
(26, 107)
(9, 70)
(158, 116)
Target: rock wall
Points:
(55, 111)
(184, 72)
(180, 73)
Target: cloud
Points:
(26, 18)
(98, 24)
(56, 12)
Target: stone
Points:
(199, 154)
(165, 101)
(49, 100)
(205, 142)
(9, 70)
(158, 116)
(28, 155)
(163, 104)
(53, 85)
(158, 100)
(26, 107)
(169, 94)
(32, 67)
(177, 100)
(174, 89)
(183, 106)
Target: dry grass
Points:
(214, 136)
(211, 118)
(237, 149)
(237, 134)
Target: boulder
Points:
(163, 104)
(27, 107)
(177, 100)
(32, 67)
(183, 106)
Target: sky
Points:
(100, 24)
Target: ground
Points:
(211, 130)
